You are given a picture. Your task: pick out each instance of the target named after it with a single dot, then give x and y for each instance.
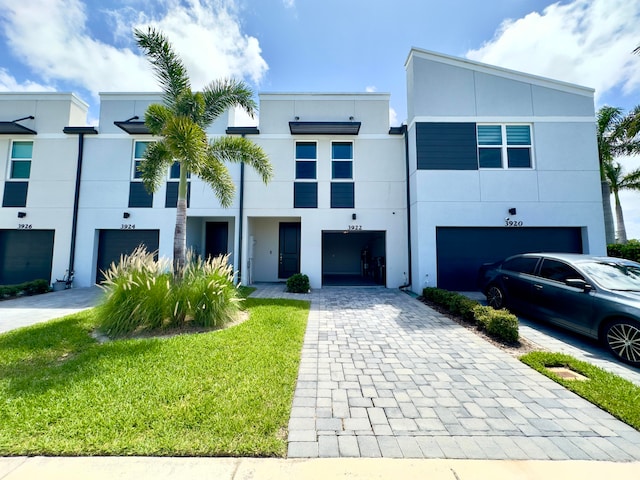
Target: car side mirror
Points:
(578, 283)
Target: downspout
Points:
(406, 154)
(81, 132)
(240, 214)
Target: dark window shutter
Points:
(139, 197)
(446, 146)
(15, 194)
(305, 195)
(171, 198)
(342, 195)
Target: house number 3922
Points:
(355, 227)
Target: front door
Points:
(216, 239)
(289, 254)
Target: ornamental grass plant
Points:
(142, 294)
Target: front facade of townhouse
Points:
(491, 162)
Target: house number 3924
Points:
(128, 226)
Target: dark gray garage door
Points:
(25, 255)
(114, 243)
(354, 258)
(462, 250)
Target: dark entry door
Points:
(289, 259)
(217, 239)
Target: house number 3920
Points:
(513, 223)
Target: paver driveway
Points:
(384, 375)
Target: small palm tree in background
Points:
(619, 181)
(617, 135)
(181, 122)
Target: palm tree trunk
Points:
(180, 234)
(609, 231)
(621, 231)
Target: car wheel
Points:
(495, 297)
(623, 340)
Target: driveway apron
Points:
(383, 375)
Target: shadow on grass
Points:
(53, 354)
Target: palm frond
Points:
(186, 140)
(156, 117)
(212, 171)
(157, 158)
(223, 94)
(167, 65)
(240, 149)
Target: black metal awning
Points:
(324, 128)
(133, 127)
(13, 128)
(242, 131)
(80, 130)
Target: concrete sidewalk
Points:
(24, 311)
(153, 468)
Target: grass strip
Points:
(608, 391)
(225, 392)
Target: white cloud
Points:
(371, 89)
(588, 42)
(393, 118)
(56, 43)
(8, 83)
(289, 3)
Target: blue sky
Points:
(86, 46)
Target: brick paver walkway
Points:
(383, 375)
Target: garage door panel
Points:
(114, 243)
(25, 255)
(462, 250)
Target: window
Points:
(174, 171)
(499, 142)
(342, 160)
(559, 271)
(15, 190)
(138, 195)
(21, 153)
(521, 265)
(305, 194)
(138, 154)
(306, 156)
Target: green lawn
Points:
(619, 397)
(225, 392)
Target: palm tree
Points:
(181, 122)
(608, 135)
(617, 135)
(618, 181)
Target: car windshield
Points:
(614, 276)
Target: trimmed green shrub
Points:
(500, 324)
(27, 288)
(142, 294)
(454, 302)
(298, 283)
(629, 250)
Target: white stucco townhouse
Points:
(491, 162)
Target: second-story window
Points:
(504, 146)
(305, 189)
(21, 153)
(138, 196)
(342, 186)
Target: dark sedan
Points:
(595, 296)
